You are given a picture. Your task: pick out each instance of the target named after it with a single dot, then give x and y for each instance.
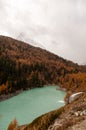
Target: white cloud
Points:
(59, 25)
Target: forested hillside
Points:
(23, 66)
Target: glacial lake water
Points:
(30, 104)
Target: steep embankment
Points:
(23, 66)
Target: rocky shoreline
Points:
(72, 117)
(5, 97)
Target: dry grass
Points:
(13, 125)
(43, 122)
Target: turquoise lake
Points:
(30, 104)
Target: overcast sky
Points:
(57, 25)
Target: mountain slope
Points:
(23, 66)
